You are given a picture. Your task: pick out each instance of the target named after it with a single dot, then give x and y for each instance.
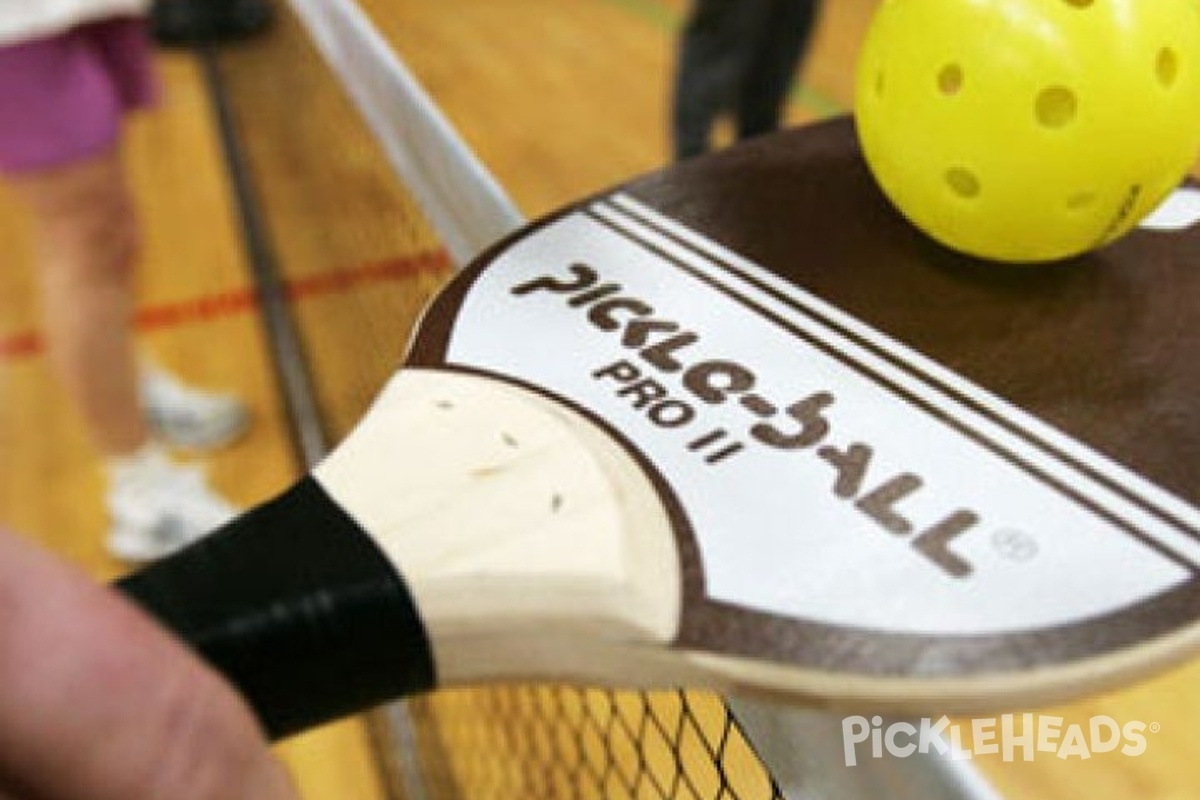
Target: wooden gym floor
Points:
(559, 98)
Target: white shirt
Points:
(29, 19)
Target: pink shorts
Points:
(62, 97)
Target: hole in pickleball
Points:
(1166, 66)
(950, 80)
(1080, 3)
(962, 182)
(1055, 107)
(879, 83)
(1081, 200)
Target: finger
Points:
(100, 704)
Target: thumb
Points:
(101, 704)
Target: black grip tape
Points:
(298, 607)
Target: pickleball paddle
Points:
(737, 425)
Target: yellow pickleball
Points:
(1029, 130)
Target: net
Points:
(541, 741)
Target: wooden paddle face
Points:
(891, 470)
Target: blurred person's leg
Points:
(86, 242)
(178, 414)
(783, 34)
(61, 103)
(714, 52)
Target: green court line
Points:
(657, 14)
(667, 21)
(816, 102)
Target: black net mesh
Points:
(546, 742)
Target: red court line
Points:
(206, 308)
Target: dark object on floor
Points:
(184, 22)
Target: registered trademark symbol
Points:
(1014, 545)
(1155, 727)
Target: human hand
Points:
(98, 703)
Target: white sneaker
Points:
(158, 506)
(190, 418)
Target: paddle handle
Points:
(297, 607)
